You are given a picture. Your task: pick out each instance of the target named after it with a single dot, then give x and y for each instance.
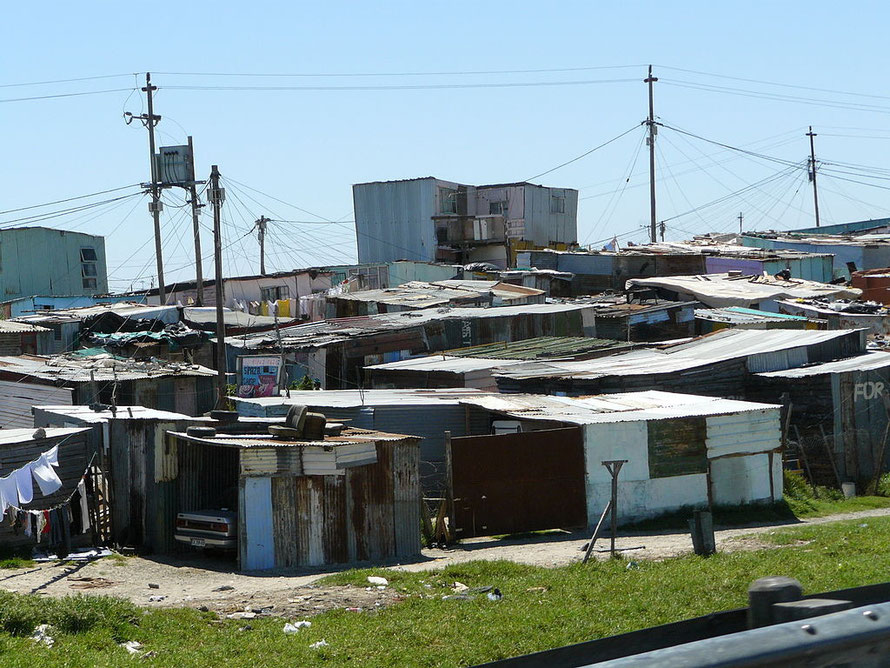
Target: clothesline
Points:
(61, 504)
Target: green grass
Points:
(542, 608)
(800, 502)
(12, 558)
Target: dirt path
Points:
(211, 582)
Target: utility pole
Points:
(661, 229)
(217, 196)
(196, 210)
(653, 130)
(812, 170)
(261, 233)
(155, 206)
(741, 218)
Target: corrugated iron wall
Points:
(371, 513)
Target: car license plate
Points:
(197, 542)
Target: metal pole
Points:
(155, 205)
(217, 197)
(196, 225)
(652, 132)
(261, 233)
(613, 466)
(812, 134)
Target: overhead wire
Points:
(583, 155)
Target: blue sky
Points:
(306, 147)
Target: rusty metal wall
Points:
(371, 513)
(518, 482)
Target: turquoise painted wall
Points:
(44, 261)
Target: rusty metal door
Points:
(517, 482)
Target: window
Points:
(89, 267)
(447, 200)
(274, 293)
(497, 208)
(557, 204)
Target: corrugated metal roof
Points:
(719, 290)
(123, 309)
(12, 436)
(88, 415)
(369, 398)
(741, 316)
(78, 370)
(342, 329)
(866, 362)
(603, 408)
(445, 364)
(13, 327)
(551, 347)
(349, 436)
(721, 346)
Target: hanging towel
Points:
(24, 484)
(46, 477)
(9, 493)
(84, 508)
(52, 456)
(27, 524)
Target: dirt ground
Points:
(212, 583)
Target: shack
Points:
(841, 314)
(333, 352)
(709, 320)
(437, 371)
(131, 440)
(31, 380)
(735, 289)
(717, 364)
(19, 338)
(416, 295)
(426, 414)
(681, 451)
(304, 503)
(838, 413)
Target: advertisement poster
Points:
(258, 375)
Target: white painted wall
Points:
(737, 447)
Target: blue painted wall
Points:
(44, 261)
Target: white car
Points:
(208, 528)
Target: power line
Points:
(56, 81)
(774, 83)
(69, 199)
(853, 106)
(583, 155)
(396, 74)
(452, 86)
(58, 95)
(64, 212)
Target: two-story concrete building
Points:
(433, 220)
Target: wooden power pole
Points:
(196, 225)
(155, 206)
(261, 233)
(653, 130)
(217, 196)
(812, 134)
